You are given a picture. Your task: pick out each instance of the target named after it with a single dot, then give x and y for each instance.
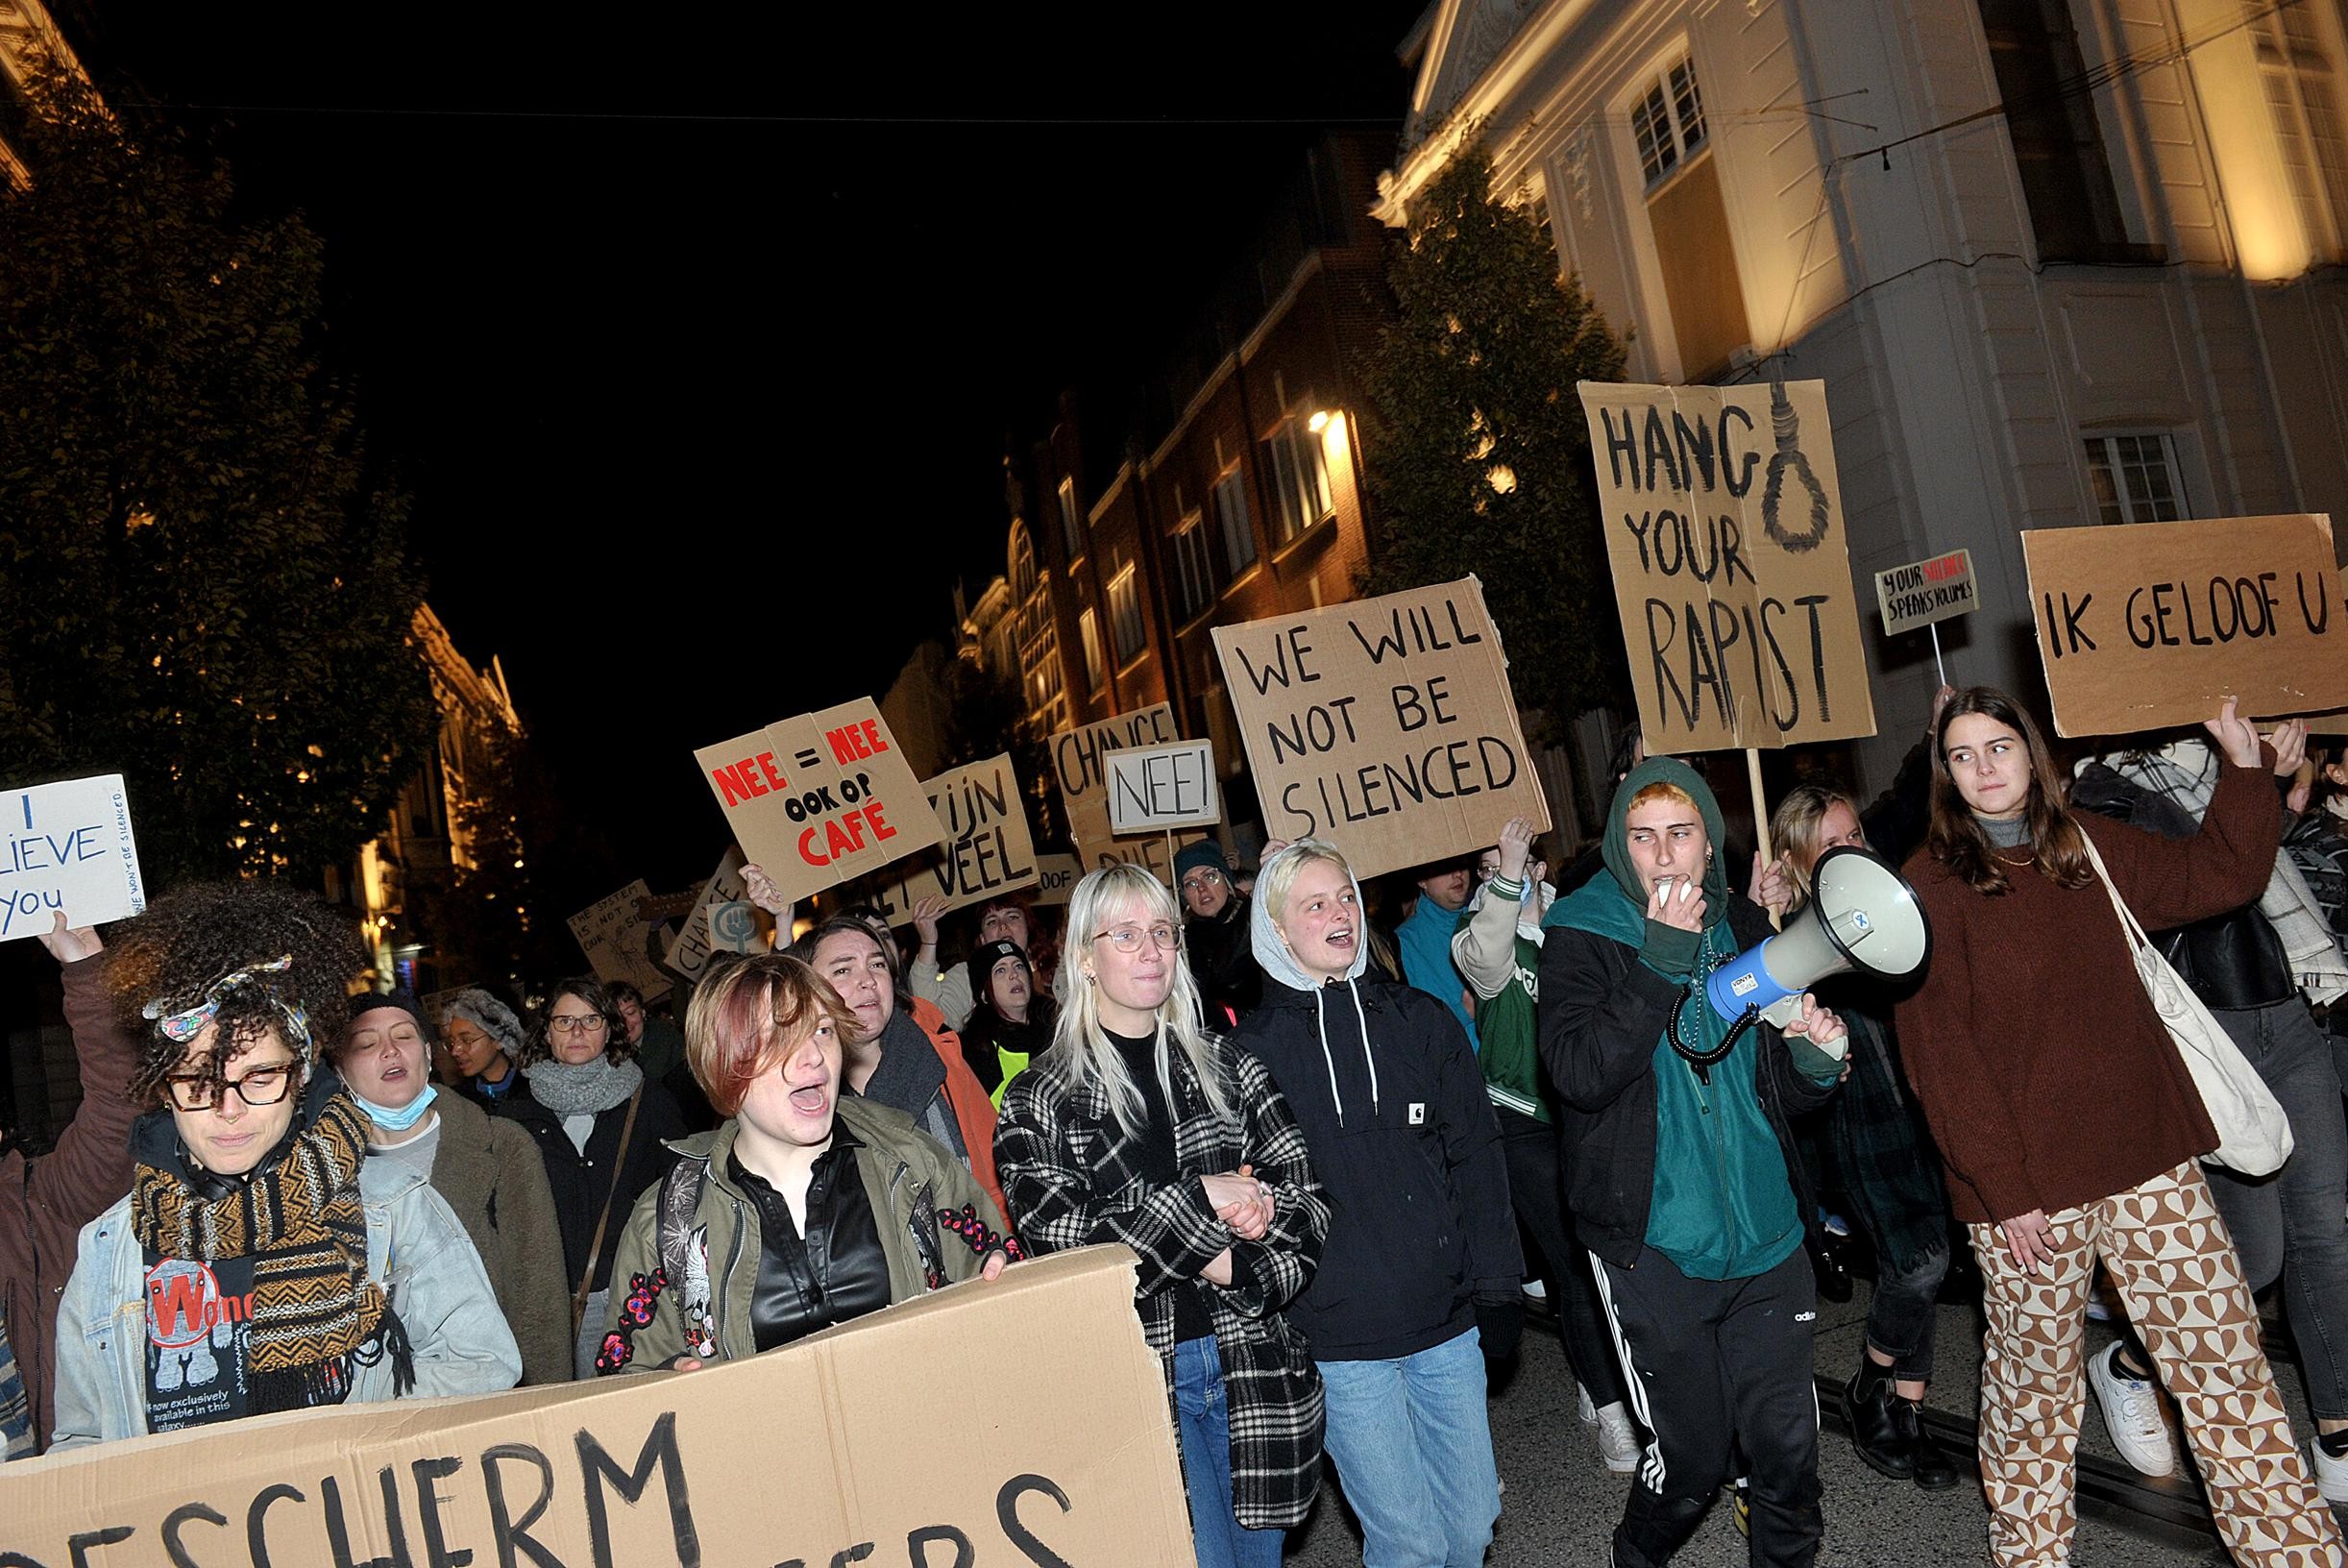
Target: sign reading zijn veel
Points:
(987, 848)
(1079, 762)
(1724, 522)
(2146, 624)
(1159, 787)
(67, 848)
(1385, 723)
(618, 940)
(822, 799)
(1924, 593)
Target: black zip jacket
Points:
(1420, 1225)
(581, 1181)
(1602, 1012)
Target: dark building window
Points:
(2058, 147)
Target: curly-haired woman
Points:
(263, 1278)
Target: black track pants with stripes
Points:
(1716, 1368)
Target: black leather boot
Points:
(1935, 1468)
(1874, 1432)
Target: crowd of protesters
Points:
(1351, 1136)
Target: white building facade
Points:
(2058, 261)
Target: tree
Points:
(1482, 461)
(204, 589)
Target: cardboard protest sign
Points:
(1386, 725)
(1724, 520)
(68, 846)
(688, 955)
(1923, 593)
(821, 799)
(837, 1449)
(1161, 787)
(1079, 762)
(2146, 624)
(617, 941)
(1056, 879)
(987, 848)
(733, 928)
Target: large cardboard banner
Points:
(988, 850)
(1385, 724)
(618, 940)
(1724, 520)
(1161, 787)
(1079, 762)
(2146, 625)
(835, 1450)
(69, 848)
(821, 799)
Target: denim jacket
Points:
(415, 1249)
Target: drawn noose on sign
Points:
(1786, 424)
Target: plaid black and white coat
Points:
(1073, 1179)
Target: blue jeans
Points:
(1412, 1445)
(1221, 1540)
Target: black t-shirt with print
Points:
(199, 1328)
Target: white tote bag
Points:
(2254, 1136)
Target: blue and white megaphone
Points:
(1862, 916)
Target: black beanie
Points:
(375, 1001)
(986, 956)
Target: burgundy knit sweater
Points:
(2046, 1075)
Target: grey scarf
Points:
(570, 1088)
(911, 1077)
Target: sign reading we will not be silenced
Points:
(1385, 724)
(1080, 761)
(68, 847)
(2146, 624)
(821, 799)
(1724, 520)
(988, 849)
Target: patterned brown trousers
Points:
(2173, 1260)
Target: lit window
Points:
(2303, 91)
(1193, 565)
(1668, 120)
(2134, 477)
(1231, 517)
(1300, 477)
(1022, 563)
(1096, 668)
(1125, 614)
(1071, 518)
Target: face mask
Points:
(397, 1121)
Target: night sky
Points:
(698, 335)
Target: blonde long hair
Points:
(1793, 827)
(1081, 1041)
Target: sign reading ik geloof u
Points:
(821, 799)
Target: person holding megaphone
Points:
(1681, 1171)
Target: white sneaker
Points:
(2330, 1474)
(2132, 1413)
(1588, 1411)
(1619, 1445)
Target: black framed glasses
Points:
(262, 1086)
(590, 1023)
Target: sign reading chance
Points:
(1080, 761)
(1385, 724)
(68, 847)
(1724, 522)
(2148, 625)
(1162, 787)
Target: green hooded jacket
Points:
(1724, 1205)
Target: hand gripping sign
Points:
(822, 799)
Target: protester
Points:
(487, 1170)
(2257, 983)
(1425, 938)
(1890, 1176)
(891, 1058)
(1215, 935)
(486, 1041)
(1684, 1179)
(1419, 1281)
(1012, 1024)
(45, 1201)
(1139, 1127)
(1002, 918)
(806, 1207)
(1497, 947)
(2069, 1128)
(261, 1278)
(602, 1128)
(659, 1045)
